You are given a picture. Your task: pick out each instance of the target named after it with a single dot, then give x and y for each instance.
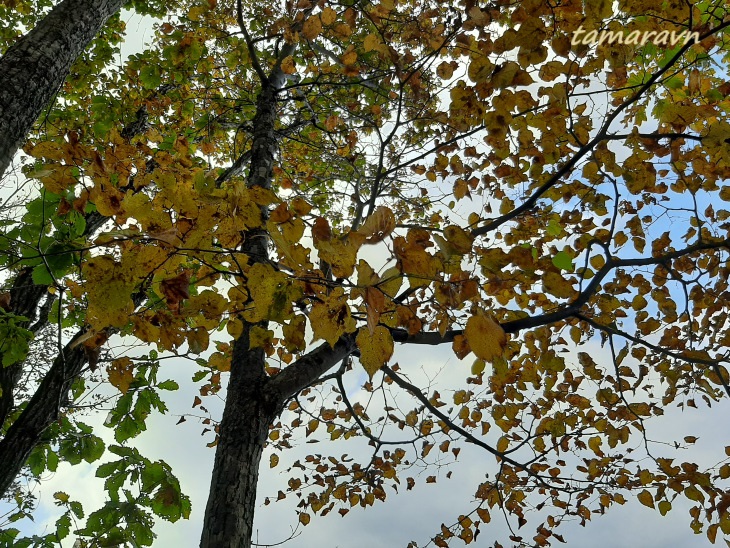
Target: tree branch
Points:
(307, 369)
(249, 45)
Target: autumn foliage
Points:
(288, 193)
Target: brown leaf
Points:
(378, 226)
(176, 289)
(375, 303)
(321, 230)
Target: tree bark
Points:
(41, 411)
(25, 298)
(34, 68)
(243, 431)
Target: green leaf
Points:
(77, 509)
(108, 468)
(13, 338)
(563, 261)
(41, 276)
(63, 526)
(168, 385)
(200, 375)
(37, 461)
(150, 77)
(128, 428)
(92, 448)
(554, 228)
(51, 460)
(153, 475)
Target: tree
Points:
(36, 66)
(370, 173)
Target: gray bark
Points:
(248, 412)
(250, 408)
(41, 411)
(34, 68)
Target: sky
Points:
(405, 517)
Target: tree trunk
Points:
(25, 298)
(41, 411)
(250, 408)
(243, 431)
(34, 68)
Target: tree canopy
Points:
(287, 193)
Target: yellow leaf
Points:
(692, 493)
(375, 349)
(595, 445)
(349, 57)
(144, 330)
(330, 319)
(272, 293)
(477, 368)
(646, 498)
(480, 69)
(234, 327)
(664, 507)
(459, 239)
(219, 362)
(556, 285)
(109, 288)
(312, 27)
(539, 444)
(328, 16)
(121, 373)
(260, 337)
(304, 518)
(597, 261)
(391, 281)
(371, 42)
(366, 276)
(294, 334)
(287, 65)
(273, 460)
(502, 444)
(300, 206)
(60, 495)
(198, 340)
(485, 336)
(57, 178)
(413, 258)
(340, 253)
